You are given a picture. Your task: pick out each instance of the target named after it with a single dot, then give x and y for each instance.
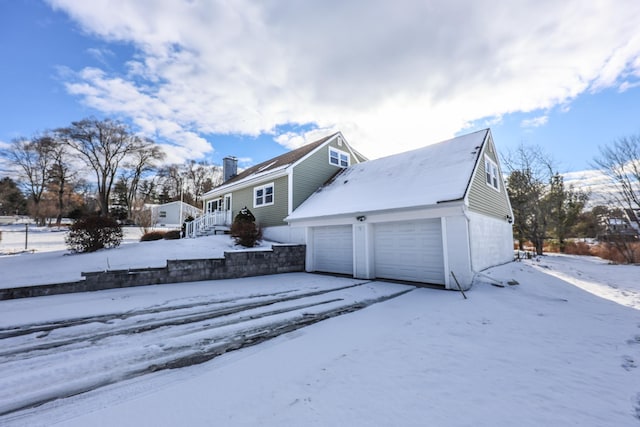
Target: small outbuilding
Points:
(427, 215)
(172, 213)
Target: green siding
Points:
(308, 176)
(483, 198)
(314, 171)
(266, 216)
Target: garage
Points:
(409, 250)
(333, 249)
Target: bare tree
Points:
(621, 163)
(61, 173)
(171, 178)
(200, 178)
(141, 161)
(32, 160)
(530, 171)
(103, 145)
(192, 179)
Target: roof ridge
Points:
(284, 159)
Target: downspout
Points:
(466, 216)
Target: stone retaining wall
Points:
(280, 259)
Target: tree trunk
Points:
(60, 205)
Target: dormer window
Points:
(338, 158)
(491, 173)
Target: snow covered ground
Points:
(50, 261)
(562, 347)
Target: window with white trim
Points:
(338, 158)
(491, 172)
(263, 195)
(163, 214)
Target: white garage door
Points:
(333, 249)
(409, 250)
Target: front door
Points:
(227, 208)
(212, 205)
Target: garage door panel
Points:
(333, 249)
(410, 250)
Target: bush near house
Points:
(184, 224)
(152, 235)
(92, 233)
(244, 229)
(172, 235)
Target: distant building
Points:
(168, 214)
(633, 216)
(617, 227)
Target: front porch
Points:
(209, 223)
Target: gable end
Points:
(483, 197)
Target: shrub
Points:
(172, 235)
(184, 224)
(152, 235)
(92, 233)
(551, 246)
(619, 254)
(244, 229)
(577, 248)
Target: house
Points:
(426, 215)
(274, 188)
(618, 228)
(169, 214)
(633, 216)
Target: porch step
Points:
(209, 231)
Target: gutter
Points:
(437, 205)
(224, 189)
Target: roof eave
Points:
(225, 189)
(436, 205)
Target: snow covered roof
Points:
(274, 164)
(429, 175)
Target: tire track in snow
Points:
(176, 347)
(142, 325)
(105, 318)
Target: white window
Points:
(163, 214)
(338, 158)
(263, 195)
(491, 171)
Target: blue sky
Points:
(209, 79)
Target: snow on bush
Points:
(244, 229)
(92, 233)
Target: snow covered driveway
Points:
(71, 351)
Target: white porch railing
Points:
(208, 222)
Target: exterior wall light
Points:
(361, 218)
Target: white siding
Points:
(284, 234)
(491, 241)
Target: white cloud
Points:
(101, 55)
(535, 122)
(598, 185)
(392, 76)
(626, 85)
